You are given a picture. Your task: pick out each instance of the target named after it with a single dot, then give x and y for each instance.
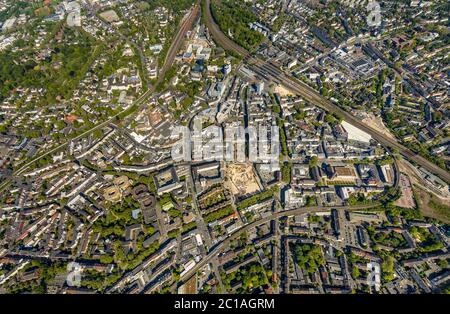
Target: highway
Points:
(271, 72)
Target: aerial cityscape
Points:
(224, 147)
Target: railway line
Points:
(216, 250)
